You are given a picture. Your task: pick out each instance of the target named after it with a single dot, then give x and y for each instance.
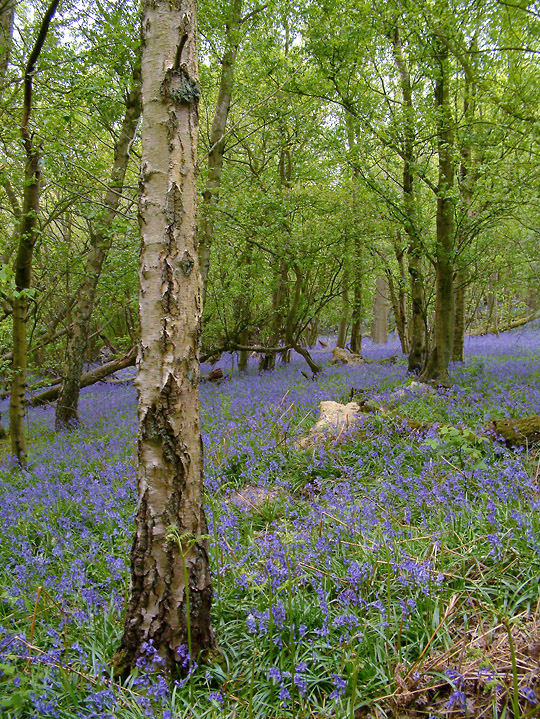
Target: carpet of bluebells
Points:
(345, 574)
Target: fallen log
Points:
(512, 325)
(214, 376)
(372, 404)
(387, 360)
(517, 432)
(89, 378)
(340, 355)
(54, 381)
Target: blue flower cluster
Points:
(321, 559)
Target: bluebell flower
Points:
(217, 697)
(340, 684)
(457, 700)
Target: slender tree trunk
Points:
(344, 321)
(460, 291)
(492, 317)
(217, 139)
(444, 267)
(280, 303)
(244, 354)
(508, 296)
(23, 280)
(402, 305)
(357, 306)
(279, 298)
(465, 189)
(418, 316)
(379, 332)
(398, 308)
(171, 593)
(7, 12)
(414, 253)
(28, 235)
(101, 238)
(398, 297)
(244, 302)
(289, 324)
(313, 332)
(358, 248)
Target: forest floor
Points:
(387, 574)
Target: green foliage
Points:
(313, 162)
(466, 445)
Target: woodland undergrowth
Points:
(386, 574)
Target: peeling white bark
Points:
(170, 450)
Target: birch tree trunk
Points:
(492, 317)
(281, 316)
(164, 609)
(101, 237)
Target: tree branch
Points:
(31, 66)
